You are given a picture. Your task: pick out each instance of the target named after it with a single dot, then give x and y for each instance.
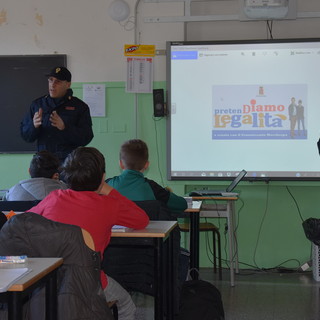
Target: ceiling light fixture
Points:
(119, 10)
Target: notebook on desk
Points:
(224, 193)
(9, 276)
(118, 228)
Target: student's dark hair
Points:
(83, 169)
(44, 164)
(134, 154)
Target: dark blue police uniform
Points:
(77, 120)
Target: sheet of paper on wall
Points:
(139, 74)
(94, 95)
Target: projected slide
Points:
(252, 105)
(259, 112)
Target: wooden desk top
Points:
(39, 267)
(155, 229)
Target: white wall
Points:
(94, 42)
(230, 30)
(81, 29)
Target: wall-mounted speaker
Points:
(158, 103)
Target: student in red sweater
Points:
(94, 206)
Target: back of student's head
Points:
(83, 169)
(44, 164)
(134, 154)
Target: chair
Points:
(89, 242)
(79, 287)
(18, 206)
(209, 227)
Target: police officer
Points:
(59, 122)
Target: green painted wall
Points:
(269, 226)
(269, 231)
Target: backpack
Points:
(200, 300)
(311, 229)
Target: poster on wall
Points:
(94, 95)
(139, 68)
(139, 75)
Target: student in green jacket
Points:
(131, 183)
(134, 160)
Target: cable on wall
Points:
(157, 148)
(260, 228)
(269, 25)
(136, 97)
(136, 33)
(129, 24)
(236, 228)
(296, 203)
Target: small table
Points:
(42, 270)
(199, 209)
(159, 232)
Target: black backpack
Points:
(311, 229)
(200, 300)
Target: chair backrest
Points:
(18, 206)
(33, 235)
(155, 209)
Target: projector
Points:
(265, 9)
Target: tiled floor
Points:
(259, 296)
(268, 295)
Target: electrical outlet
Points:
(160, 52)
(306, 266)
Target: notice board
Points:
(22, 80)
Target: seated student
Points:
(134, 160)
(44, 173)
(94, 206)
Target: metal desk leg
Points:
(15, 306)
(171, 281)
(234, 237)
(194, 245)
(233, 251)
(158, 280)
(51, 297)
(230, 245)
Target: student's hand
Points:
(37, 118)
(56, 121)
(106, 189)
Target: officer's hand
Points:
(37, 118)
(56, 121)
